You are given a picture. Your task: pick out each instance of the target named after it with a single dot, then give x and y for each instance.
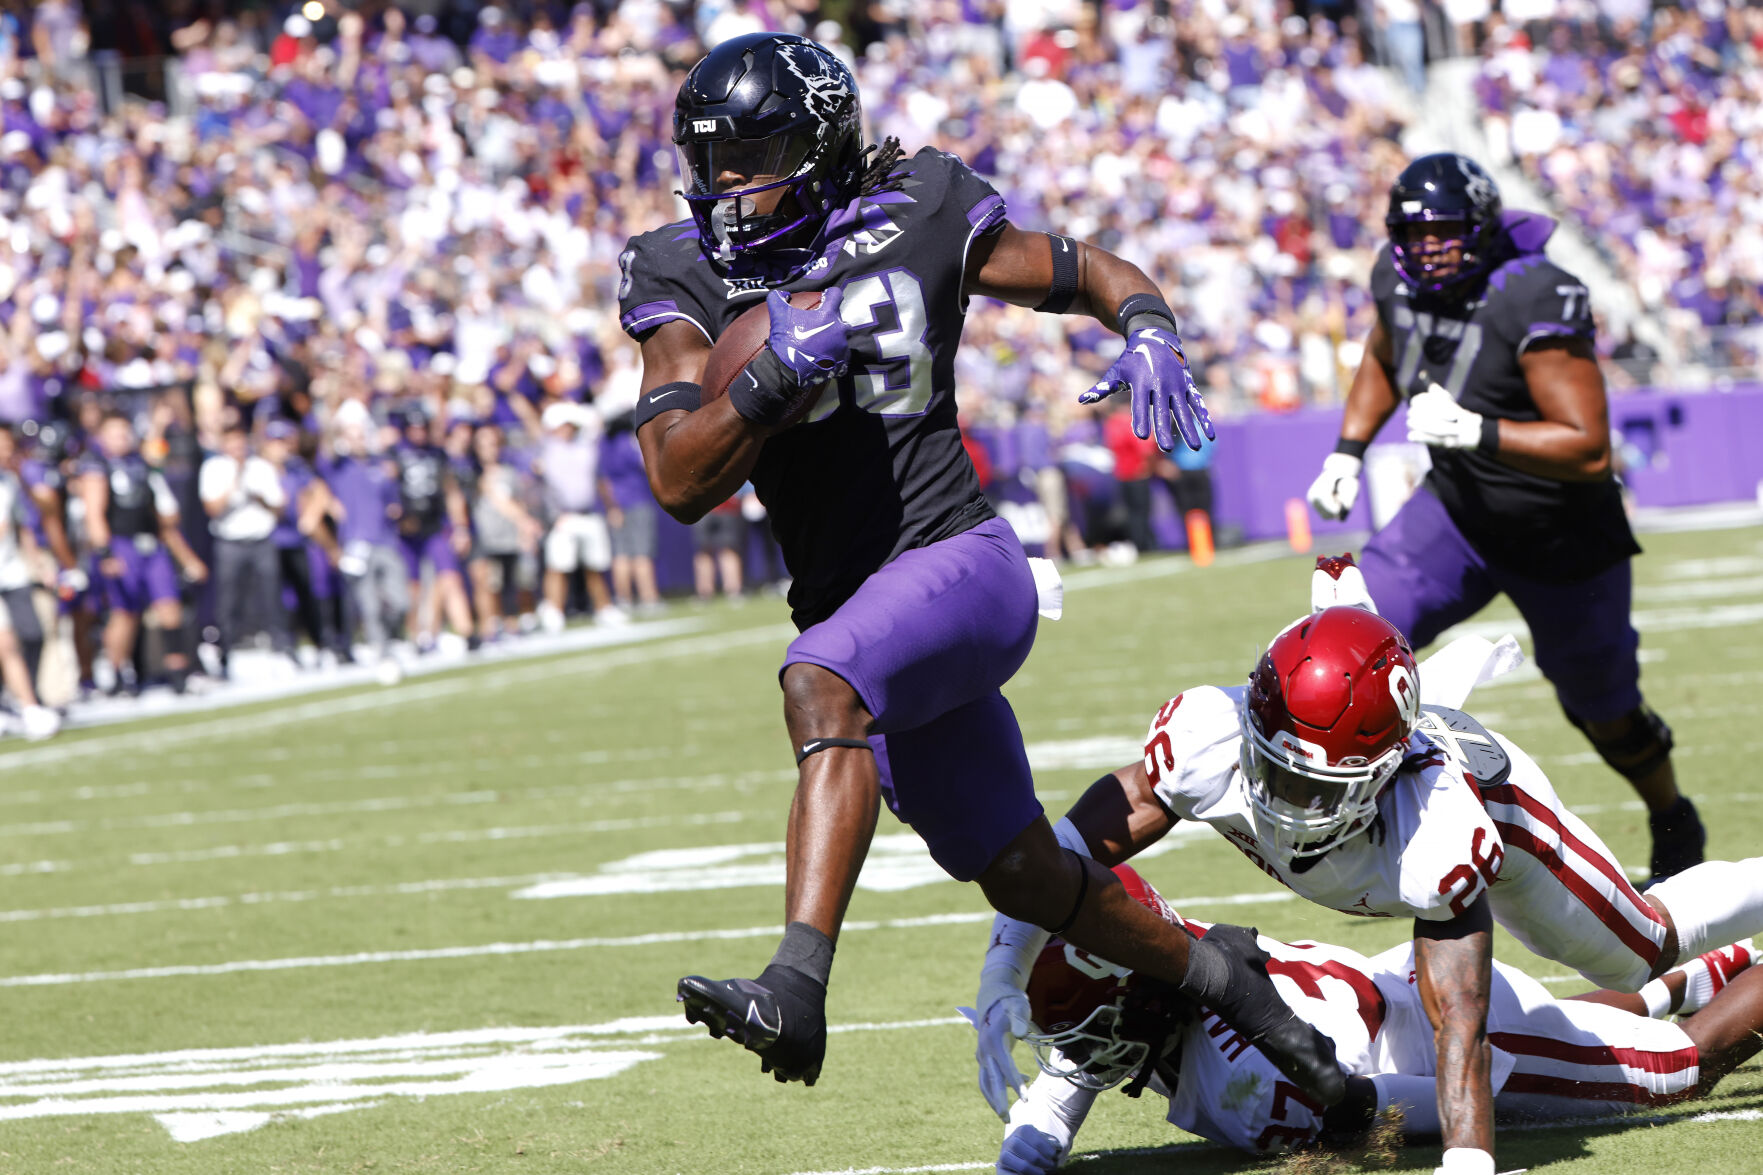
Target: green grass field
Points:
(436, 927)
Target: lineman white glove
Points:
(1003, 1021)
(1436, 419)
(1042, 1126)
(1336, 488)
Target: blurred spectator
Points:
(719, 544)
(506, 533)
(578, 503)
(243, 495)
(16, 550)
(635, 537)
(1133, 460)
(434, 530)
(364, 506)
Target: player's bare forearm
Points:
(49, 510)
(1372, 398)
(1120, 815)
(1017, 267)
(695, 460)
(1572, 440)
(95, 493)
(1453, 964)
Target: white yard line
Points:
(151, 739)
(537, 946)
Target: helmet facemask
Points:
(1433, 251)
(1302, 804)
(1091, 1053)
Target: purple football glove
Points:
(1162, 389)
(813, 345)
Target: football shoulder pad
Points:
(1468, 742)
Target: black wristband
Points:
(1490, 435)
(1137, 304)
(1064, 287)
(666, 398)
(1352, 448)
(765, 392)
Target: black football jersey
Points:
(876, 467)
(1557, 531)
(422, 487)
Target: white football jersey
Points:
(1431, 853)
(1230, 1093)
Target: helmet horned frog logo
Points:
(827, 93)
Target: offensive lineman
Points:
(914, 601)
(1491, 345)
(1601, 1053)
(1328, 773)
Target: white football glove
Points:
(1029, 1150)
(1041, 1126)
(1004, 1021)
(1336, 488)
(1436, 419)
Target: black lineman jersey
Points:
(876, 468)
(1555, 531)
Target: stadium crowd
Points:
(1647, 128)
(351, 285)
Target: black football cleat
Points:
(784, 1026)
(1678, 839)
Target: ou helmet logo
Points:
(1405, 693)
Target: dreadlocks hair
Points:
(876, 177)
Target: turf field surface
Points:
(436, 926)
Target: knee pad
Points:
(1637, 751)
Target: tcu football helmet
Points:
(1326, 720)
(1433, 192)
(1097, 1024)
(767, 112)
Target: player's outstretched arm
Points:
(1453, 963)
(1119, 815)
(1059, 275)
(696, 459)
(1370, 402)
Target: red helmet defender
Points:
(1326, 719)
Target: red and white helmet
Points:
(1326, 720)
(1097, 1023)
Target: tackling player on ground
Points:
(1595, 1054)
(1344, 771)
(914, 601)
(1490, 343)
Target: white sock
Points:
(1710, 971)
(1713, 904)
(1657, 997)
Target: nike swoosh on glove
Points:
(813, 345)
(1435, 418)
(1163, 389)
(1006, 1019)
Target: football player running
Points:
(1490, 344)
(1599, 1053)
(1343, 771)
(914, 601)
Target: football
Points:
(737, 345)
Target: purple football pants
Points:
(147, 578)
(926, 642)
(1426, 577)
